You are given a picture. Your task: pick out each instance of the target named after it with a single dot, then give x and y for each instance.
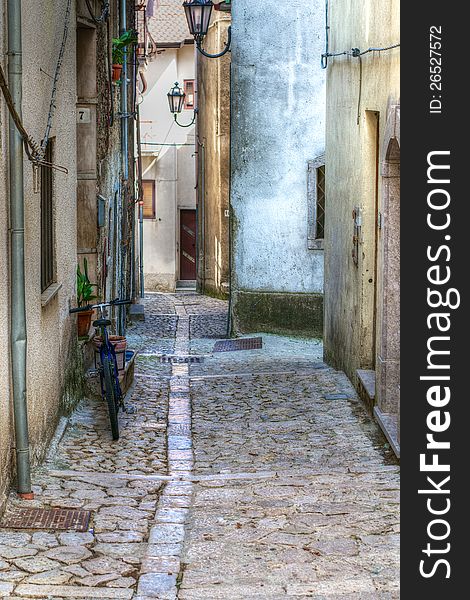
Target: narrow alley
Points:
(234, 465)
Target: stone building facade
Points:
(362, 237)
(168, 153)
(213, 151)
(278, 144)
(63, 219)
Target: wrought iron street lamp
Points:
(176, 98)
(198, 15)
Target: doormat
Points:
(240, 344)
(47, 518)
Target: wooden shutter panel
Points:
(148, 188)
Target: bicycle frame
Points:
(107, 349)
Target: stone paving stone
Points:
(109, 555)
(6, 588)
(52, 591)
(310, 520)
(166, 533)
(287, 488)
(158, 585)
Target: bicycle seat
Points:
(101, 323)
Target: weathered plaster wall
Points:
(278, 97)
(214, 160)
(170, 163)
(353, 157)
(50, 330)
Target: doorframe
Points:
(178, 240)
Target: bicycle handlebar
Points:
(116, 302)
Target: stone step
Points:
(186, 285)
(389, 424)
(366, 389)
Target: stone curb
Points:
(162, 561)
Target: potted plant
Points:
(84, 297)
(118, 55)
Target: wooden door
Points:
(188, 245)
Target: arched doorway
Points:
(387, 409)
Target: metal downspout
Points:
(17, 267)
(124, 87)
(141, 208)
(125, 160)
(230, 219)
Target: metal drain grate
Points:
(181, 359)
(240, 344)
(44, 518)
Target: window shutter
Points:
(148, 189)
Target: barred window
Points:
(316, 198)
(320, 233)
(47, 221)
(189, 100)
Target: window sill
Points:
(50, 293)
(315, 244)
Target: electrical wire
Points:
(32, 148)
(104, 12)
(52, 104)
(355, 52)
(110, 84)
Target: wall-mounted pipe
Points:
(124, 88)
(17, 267)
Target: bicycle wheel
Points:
(108, 374)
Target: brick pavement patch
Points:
(240, 344)
(44, 518)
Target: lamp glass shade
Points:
(176, 98)
(198, 15)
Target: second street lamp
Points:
(176, 98)
(198, 15)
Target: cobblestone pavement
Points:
(246, 475)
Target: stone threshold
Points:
(389, 426)
(367, 380)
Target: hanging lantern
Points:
(198, 15)
(176, 98)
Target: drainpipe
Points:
(141, 207)
(230, 219)
(124, 115)
(17, 268)
(125, 162)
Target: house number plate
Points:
(83, 115)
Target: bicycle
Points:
(108, 369)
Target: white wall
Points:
(172, 166)
(278, 115)
(50, 329)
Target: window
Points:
(189, 101)
(47, 222)
(321, 202)
(148, 191)
(316, 203)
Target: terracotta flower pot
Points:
(117, 70)
(84, 322)
(120, 345)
